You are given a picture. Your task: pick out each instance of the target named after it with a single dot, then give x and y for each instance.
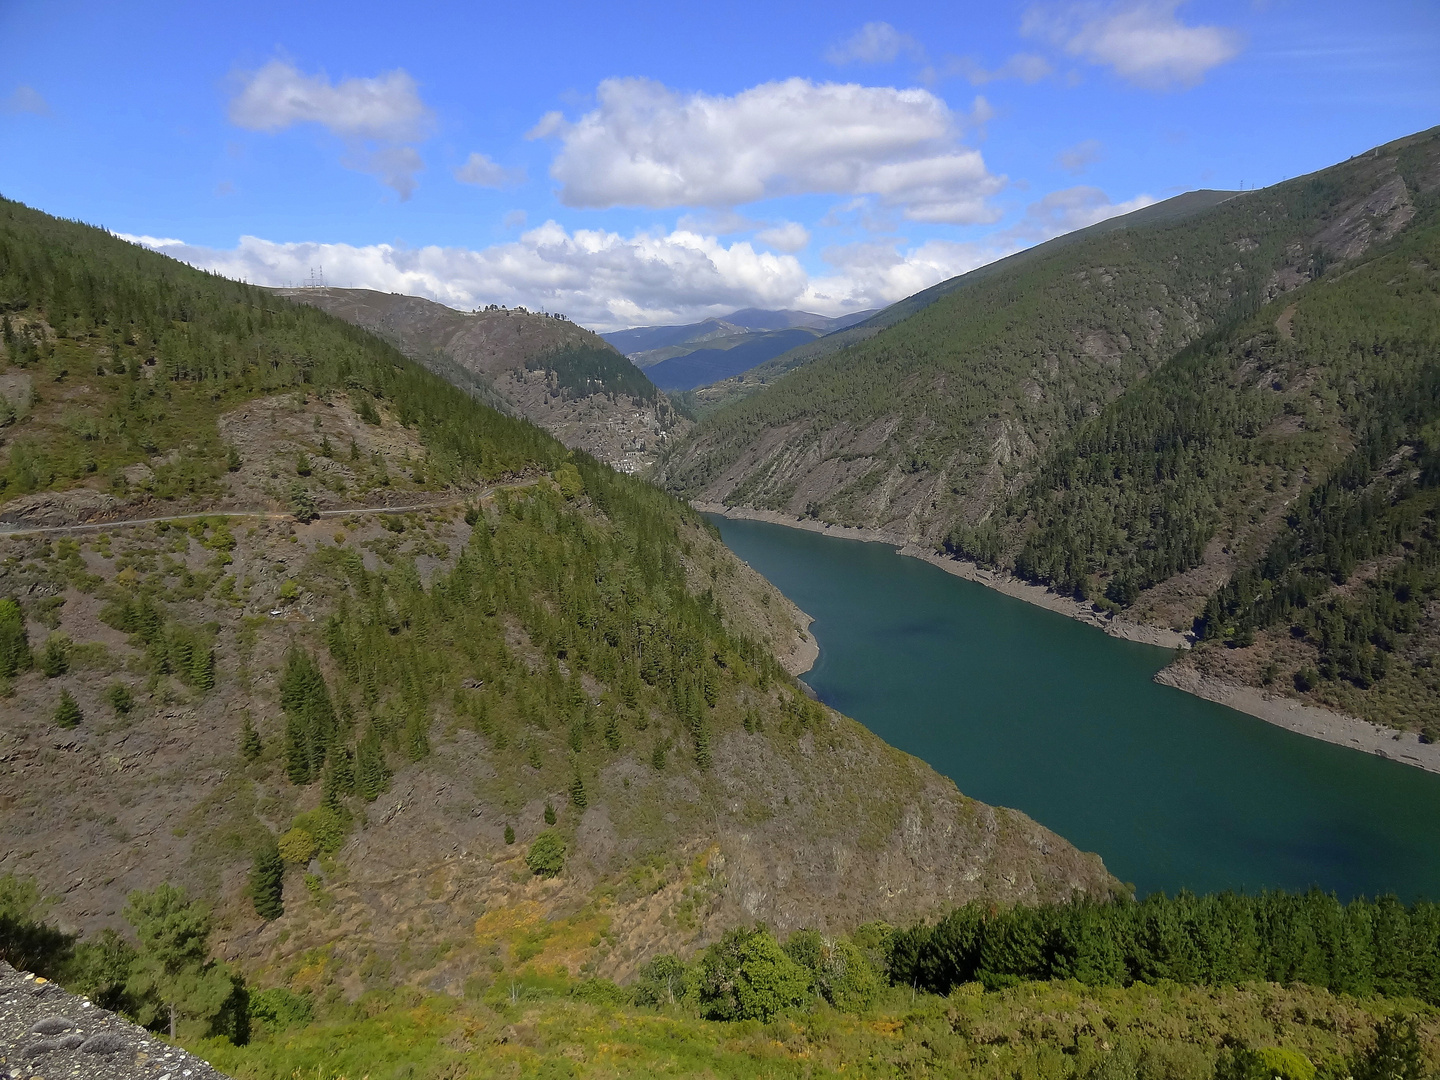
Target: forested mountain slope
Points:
(542, 367)
(1246, 457)
(936, 419)
(712, 397)
(540, 718)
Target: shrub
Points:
(546, 855)
(509, 834)
(280, 1008)
(327, 825)
(120, 699)
(747, 976)
(298, 846)
(660, 982)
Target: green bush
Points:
(547, 854)
(747, 976)
(280, 1008)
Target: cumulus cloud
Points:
(482, 172)
(380, 119)
(25, 99)
(1142, 41)
(874, 43)
(1077, 158)
(647, 145)
(787, 236)
(602, 279)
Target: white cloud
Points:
(25, 99)
(1143, 41)
(602, 279)
(1027, 67)
(1075, 159)
(874, 43)
(789, 236)
(379, 119)
(1070, 209)
(156, 242)
(482, 172)
(647, 145)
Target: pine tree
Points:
(577, 792)
(55, 660)
(549, 814)
(371, 775)
(14, 645)
(120, 698)
(267, 880)
(297, 752)
(250, 745)
(702, 747)
(67, 712)
(509, 834)
(202, 669)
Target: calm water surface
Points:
(1026, 708)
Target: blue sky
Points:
(663, 162)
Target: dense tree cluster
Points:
(1361, 947)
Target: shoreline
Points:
(1037, 595)
(1308, 720)
(1314, 721)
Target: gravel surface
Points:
(49, 1034)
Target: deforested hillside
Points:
(397, 683)
(1264, 486)
(934, 421)
(561, 376)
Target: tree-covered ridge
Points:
(129, 353)
(933, 421)
(1301, 438)
(584, 370)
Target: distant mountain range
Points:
(684, 357)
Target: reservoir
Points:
(1026, 708)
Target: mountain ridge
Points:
(1049, 419)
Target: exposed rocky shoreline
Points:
(1323, 724)
(1292, 715)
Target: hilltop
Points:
(1216, 423)
(561, 376)
(275, 595)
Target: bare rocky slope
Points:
(522, 362)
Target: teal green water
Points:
(1026, 708)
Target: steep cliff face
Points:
(561, 376)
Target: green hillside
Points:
(1213, 424)
(381, 675)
